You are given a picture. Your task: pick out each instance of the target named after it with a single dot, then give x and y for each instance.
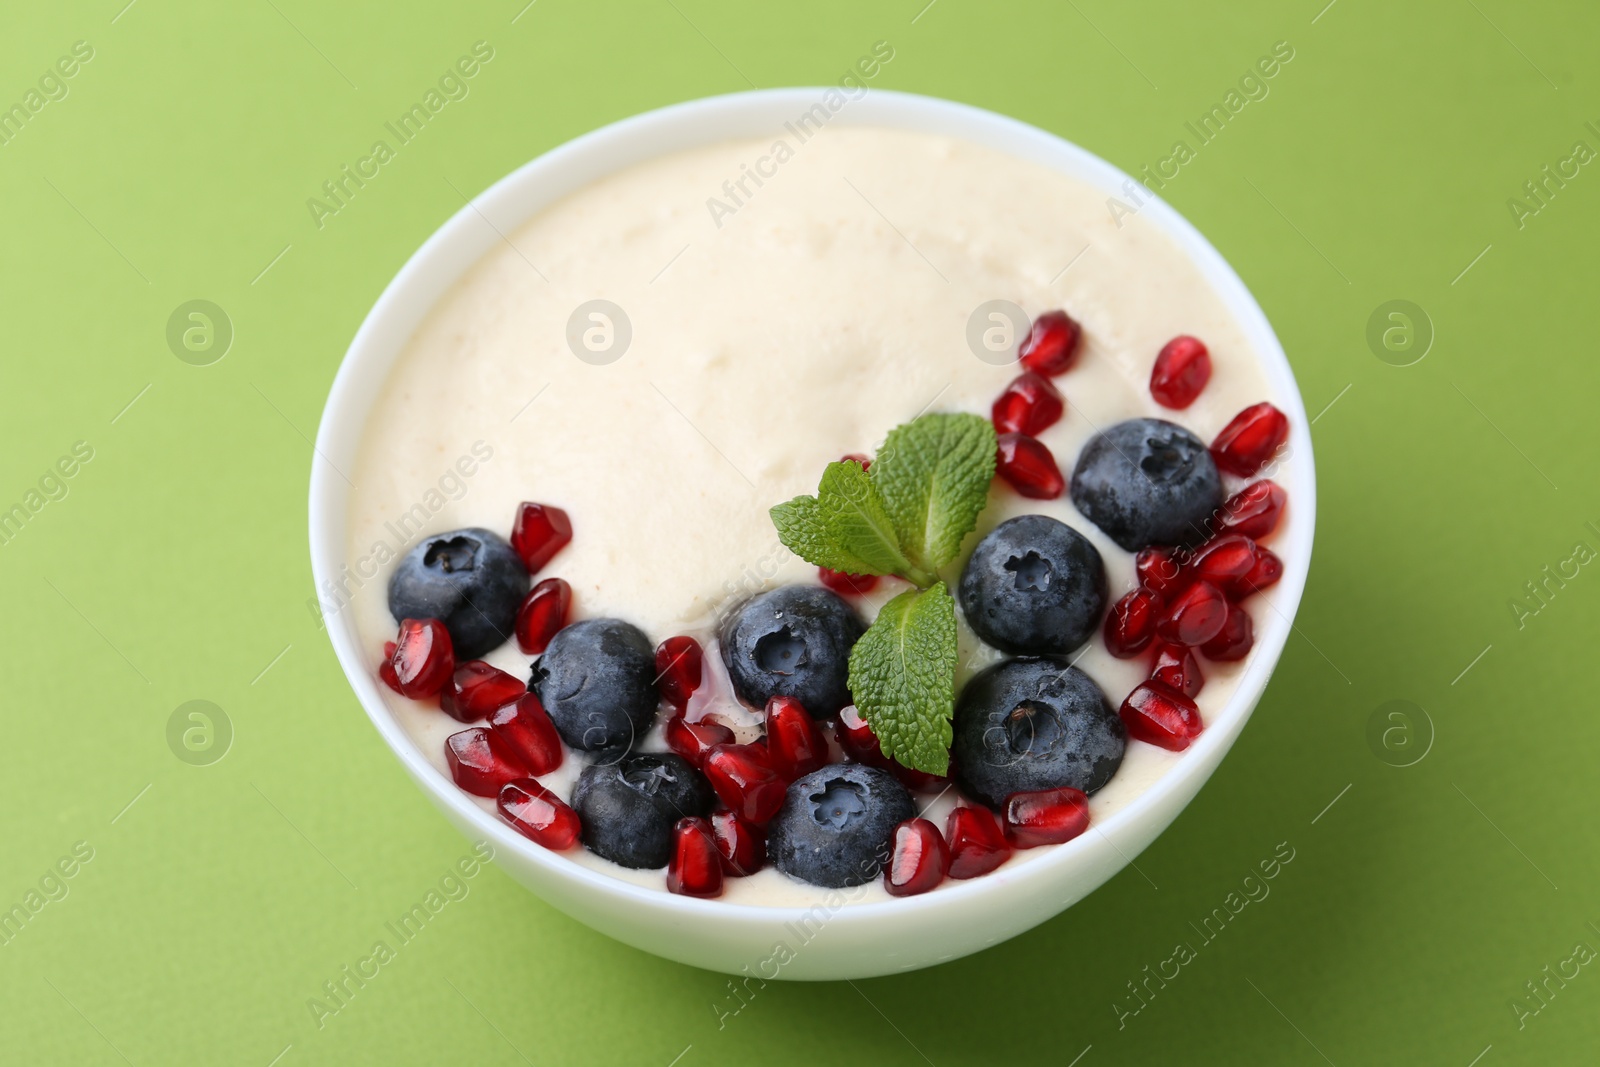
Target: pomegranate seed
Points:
(745, 781)
(695, 869)
(1182, 369)
(1159, 569)
(481, 762)
(977, 845)
(918, 859)
(1176, 668)
(542, 612)
(476, 689)
(921, 781)
(847, 584)
(1266, 572)
(1254, 435)
(1030, 405)
(1233, 641)
(1051, 346)
(858, 740)
(1194, 616)
(1160, 716)
(538, 814)
(1046, 817)
(539, 532)
(386, 667)
(1225, 560)
(423, 658)
(795, 745)
(1028, 465)
(527, 728)
(679, 665)
(1254, 510)
(692, 740)
(857, 457)
(741, 844)
(1131, 623)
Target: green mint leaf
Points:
(934, 476)
(902, 675)
(803, 532)
(855, 520)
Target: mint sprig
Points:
(907, 516)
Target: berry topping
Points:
(1030, 405)
(1182, 369)
(847, 584)
(1033, 585)
(837, 825)
(792, 641)
(679, 662)
(538, 533)
(1224, 561)
(538, 814)
(1033, 723)
(386, 667)
(918, 859)
(1028, 467)
(481, 761)
(977, 845)
(423, 660)
(1160, 716)
(1266, 572)
(476, 689)
(856, 457)
(1233, 641)
(470, 580)
(1147, 482)
(1194, 616)
(1158, 569)
(1176, 668)
(530, 733)
(628, 808)
(1046, 817)
(695, 869)
(745, 781)
(596, 679)
(741, 844)
(857, 739)
(1131, 623)
(1252, 438)
(795, 744)
(692, 740)
(543, 612)
(1051, 346)
(1254, 510)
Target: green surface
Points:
(174, 568)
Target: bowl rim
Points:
(459, 243)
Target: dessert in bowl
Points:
(592, 436)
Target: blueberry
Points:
(836, 826)
(596, 680)
(1034, 723)
(793, 641)
(1033, 585)
(627, 808)
(470, 580)
(1147, 482)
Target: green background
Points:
(176, 568)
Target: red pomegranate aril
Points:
(1131, 623)
(679, 665)
(695, 869)
(538, 814)
(1045, 817)
(1182, 370)
(692, 740)
(1266, 572)
(481, 762)
(1160, 716)
(527, 728)
(745, 781)
(1030, 405)
(1233, 641)
(476, 689)
(857, 457)
(977, 844)
(1051, 346)
(1254, 510)
(1225, 560)
(542, 613)
(1252, 438)
(386, 667)
(1027, 465)
(847, 584)
(918, 859)
(1177, 668)
(921, 781)
(423, 658)
(1159, 569)
(795, 745)
(858, 740)
(539, 532)
(1194, 616)
(741, 844)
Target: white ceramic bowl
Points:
(823, 942)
